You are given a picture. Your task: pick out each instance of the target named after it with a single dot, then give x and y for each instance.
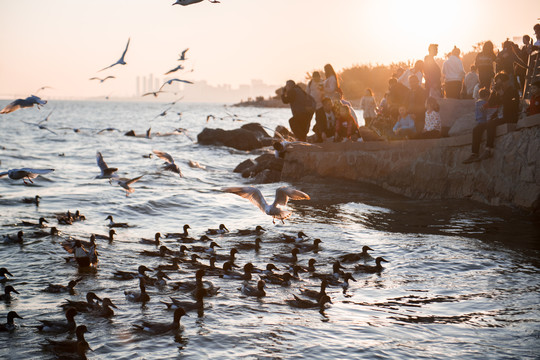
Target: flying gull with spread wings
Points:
(120, 61)
(23, 103)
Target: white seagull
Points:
(171, 166)
(106, 172)
(25, 173)
(23, 103)
(102, 80)
(121, 61)
(169, 82)
(276, 210)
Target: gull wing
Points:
(125, 51)
(285, 192)
(5, 173)
(11, 107)
(34, 173)
(251, 193)
(101, 163)
(134, 180)
(164, 156)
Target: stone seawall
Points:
(432, 168)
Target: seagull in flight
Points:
(43, 88)
(25, 173)
(121, 61)
(175, 101)
(179, 67)
(164, 113)
(169, 82)
(102, 80)
(276, 209)
(23, 103)
(183, 53)
(171, 166)
(155, 93)
(106, 171)
(125, 183)
(39, 124)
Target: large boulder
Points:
(266, 168)
(249, 137)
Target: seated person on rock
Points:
(432, 125)
(346, 125)
(325, 121)
(405, 126)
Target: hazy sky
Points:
(62, 43)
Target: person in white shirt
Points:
(471, 79)
(416, 70)
(453, 73)
(332, 89)
(315, 89)
(368, 106)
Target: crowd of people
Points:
(410, 108)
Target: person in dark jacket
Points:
(302, 107)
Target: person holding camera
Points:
(302, 108)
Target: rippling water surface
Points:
(462, 280)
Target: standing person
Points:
(536, 29)
(314, 89)
(332, 89)
(470, 81)
(484, 64)
(302, 108)
(325, 121)
(417, 103)
(398, 95)
(432, 128)
(368, 105)
(534, 104)
(507, 98)
(432, 72)
(453, 74)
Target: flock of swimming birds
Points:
(195, 256)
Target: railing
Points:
(533, 73)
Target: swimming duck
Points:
(187, 305)
(258, 231)
(163, 251)
(65, 219)
(3, 272)
(231, 257)
(138, 296)
(269, 269)
(307, 248)
(105, 310)
(345, 283)
(40, 233)
(354, 257)
(11, 239)
(34, 200)
(249, 290)
(189, 285)
(90, 304)
(228, 273)
(57, 326)
(311, 265)
(41, 223)
(152, 242)
(277, 279)
(57, 288)
(296, 269)
(128, 275)
(336, 272)
(205, 238)
(179, 235)
(222, 230)
(285, 258)
(78, 216)
(159, 280)
(307, 304)
(70, 244)
(10, 325)
(6, 296)
(206, 249)
(69, 346)
(250, 246)
(110, 237)
(112, 224)
(370, 268)
(293, 239)
(161, 328)
(170, 267)
(211, 269)
(316, 294)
